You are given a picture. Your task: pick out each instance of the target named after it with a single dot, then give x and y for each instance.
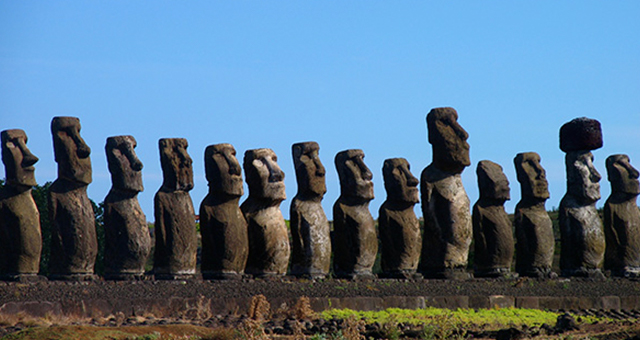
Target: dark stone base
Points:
(588, 273)
(504, 273)
(459, 274)
(310, 276)
(167, 276)
(74, 277)
(222, 276)
(628, 272)
(23, 278)
(357, 276)
(401, 274)
(127, 277)
(539, 273)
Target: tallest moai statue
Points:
(445, 204)
(74, 245)
(581, 229)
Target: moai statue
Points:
(126, 234)
(269, 249)
(581, 230)
(445, 204)
(20, 235)
(492, 233)
(534, 230)
(175, 226)
(355, 240)
(225, 243)
(622, 219)
(74, 245)
(400, 238)
(310, 231)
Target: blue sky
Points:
(359, 74)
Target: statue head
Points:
(264, 177)
(399, 182)
(310, 173)
(492, 182)
(531, 175)
(582, 177)
(124, 165)
(223, 170)
(623, 176)
(448, 140)
(177, 165)
(70, 150)
(18, 160)
(355, 176)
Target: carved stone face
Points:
(223, 170)
(399, 182)
(623, 176)
(531, 175)
(448, 140)
(18, 160)
(264, 176)
(310, 173)
(71, 152)
(355, 176)
(582, 177)
(177, 165)
(124, 165)
(492, 182)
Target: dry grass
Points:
(260, 308)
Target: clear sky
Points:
(347, 74)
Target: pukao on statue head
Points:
(448, 140)
(310, 173)
(577, 138)
(399, 182)
(492, 182)
(70, 150)
(18, 159)
(531, 175)
(223, 170)
(264, 176)
(622, 175)
(177, 169)
(355, 176)
(124, 165)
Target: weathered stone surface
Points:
(354, 238)
(534, 229)
(400, 237)
(269, 248)
(445, 204)
(492, 233)
(74, 245)
(581, 230)
(175, 227)
(622, 218)
(225, 242)
(127, 239)
(310, 231)
(581, 134)
(20, 235)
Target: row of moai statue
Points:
(253, 238)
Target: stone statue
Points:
(310, 231)
(534, 230)
(269, 249)
(74, 245)
(622, 219)
(445, 204)
(400, 238)
(492, 233)
(20, 235)
(175, 226)
(126, 234)
(225, 243)
(355, 240)
(581, 230)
